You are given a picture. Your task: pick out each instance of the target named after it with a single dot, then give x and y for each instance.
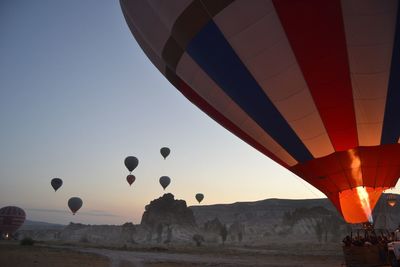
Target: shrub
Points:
(27, 241)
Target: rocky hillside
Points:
(268, 211)
(275, 220)
(168, 220)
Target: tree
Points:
(198, 239)
(224, 233)
(169, 234)
(319, 230)
(159, 232)
(240, 236)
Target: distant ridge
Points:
(271, 211)
(36, 225)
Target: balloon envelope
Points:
(199, 197)
(165, 181)
(320, 101)
(74, 204)
(130, 179)
(56, 183)
(131, 163)
(11, 218)
(165, 152)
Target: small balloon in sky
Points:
(56, 183)
(165, 152)
(74, 204)
(199, 197)
(131, 163)
(130, 179)
(165, 181)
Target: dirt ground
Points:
(49, 255)
(14, 255)
(189, 256)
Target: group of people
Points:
(370, 237)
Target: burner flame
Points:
(361, 191)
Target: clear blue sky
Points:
(78, 95)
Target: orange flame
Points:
(392, 203)
(361, 191)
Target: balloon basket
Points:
(366, 256)
(367, 247)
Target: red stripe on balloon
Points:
(190, 94)
(315, 31)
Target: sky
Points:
(78, 95)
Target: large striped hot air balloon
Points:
(312, 84)
(11, 218)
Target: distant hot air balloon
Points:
(131, 163)
(130, 179)
(313, 85)
(165, 181)
(56, 183)
(165, 152)
(199, 197)
(391, 200)
(74, 204)
(11, 218)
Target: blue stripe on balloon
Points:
(213, 53)
(391, 122)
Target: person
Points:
(347, 241)
(397, 234)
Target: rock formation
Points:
(167, 210)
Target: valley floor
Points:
(46, 255)
(14, 255)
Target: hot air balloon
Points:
(56, 183)
(165, 181)
(199, 197)
(311, 84)
(130, 179)
(11, 218)
(391, 200)
(131, 163)
(74, 204)
(165, 152)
